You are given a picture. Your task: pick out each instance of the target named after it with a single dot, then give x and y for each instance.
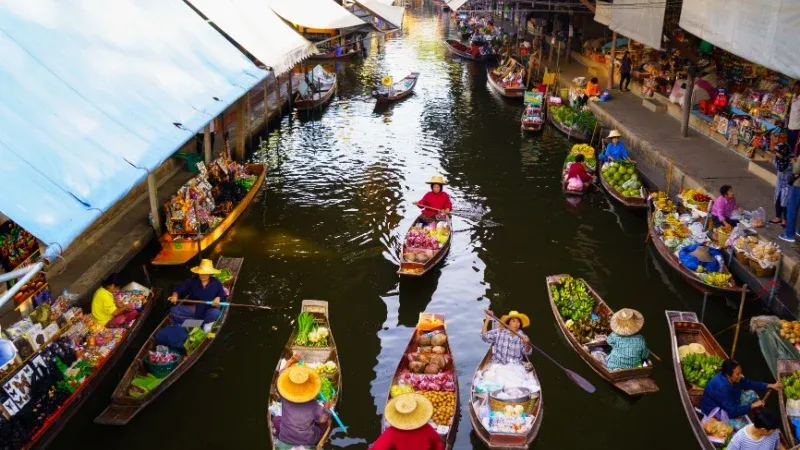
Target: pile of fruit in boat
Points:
(790, 330)
(587, 330)
(695, 198)
(423, 241)
(662, 202)
(699, 368)
(444, 406)
(572, 298)
(791, 386)
(588, 154)
(623, 177)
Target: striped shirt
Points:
(742, 441)
(506, 348)
(627, 352)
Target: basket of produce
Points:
(161, 362)
(516, 398)
(764, 259)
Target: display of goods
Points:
(745, 243)
(33, 286)
(790, 330)
(135, 299)
(427, 382)
(662, 202)
(424, 241)
(572, 298)
(582, 149)
(305, 325)
(326, 368)
(581, 121)
(717, 429)
(591, 163)
(623, 177)
(16, 245)
(400, 389)
(791, 386)
(586, 330)
(224, 275)
(698, 369)
(318, 337)
(444, 406)
(327, 389)
(715, 278)
(696, 198)
(765, 251)
(430, 363)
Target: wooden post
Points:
(571, 30)
(687, 103)
(207, 143)
(739, 320)
(291, 92)
(266, 106)
(248, 133)
(613, 58)
(277, 88)
(240, 131)
(152, 189)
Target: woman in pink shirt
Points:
(724, 206)
(436, 199)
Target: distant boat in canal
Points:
(418, 261)
(315, 90)
(392, 92)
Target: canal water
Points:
(329, 225)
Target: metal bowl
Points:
(526, 397)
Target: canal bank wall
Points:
(654, 141)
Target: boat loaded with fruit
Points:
(310, 345)
(584, 319)
(682, 241)
(428, 239)
(427, 368)
(789, 397)
(621, 181)
(575, 186)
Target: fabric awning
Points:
(602, 13)
(320, 14)
(640, 20)
(254, 25)
(761, 31)
(95, 95)
(391, 14)
(455, 4)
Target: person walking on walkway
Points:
(793, 121)
(783, 164)
(625, 72)
(794, 203)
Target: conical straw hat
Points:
(627, 322)
(408, 411)
(299, 384)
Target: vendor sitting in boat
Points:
(615, 150)
(730, 391)
(408, 416)
(434, 202)
(203, 287)
(105, 311)
(507, 348)
(303, 419)
(577, 174)
(763, 434)
(724, 206)
(628, 348)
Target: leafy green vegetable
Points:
(582, 121)
(327, 389)
(305, 324)
(224, 275)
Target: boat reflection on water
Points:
(415, 295)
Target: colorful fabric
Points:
(614, 151)
(578, 170)
(742, 441)
(423, 438)
(627, 352)
(438, 200)
(193, 287)
(720, 393)
(122, 320)
(506, 348)
(723, 207)
(103, 306)
(687, 259)
(300, 422)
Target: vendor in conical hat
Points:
(615, 149)
(628, 348)
(506, 347)
(303, 419)
(408, 416)
(203, 287)
(436, 199)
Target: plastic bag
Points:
(758, 218)
(793, 408)
(575, 184)
(737, 232)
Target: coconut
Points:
(438, 350)
(439, 339)
(424, 340)
(439, 361)
(426, 349)
(416, 366)
(432, 369)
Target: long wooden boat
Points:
(575, 135)
(690, 276)
(419, 268)
(629, 202)
(318, 98)
(401, 90)
(503, 441)
(786, 367)
(636, 381)
(312, 355)
(463, 51)
(535, 122)
(429, 322)
(56, 422)
(123, 406)
(507, 92)
(178, 250)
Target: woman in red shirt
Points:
(408, 417)
(578, 170)
(436, 198)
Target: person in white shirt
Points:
(763, 434)
(793, 123)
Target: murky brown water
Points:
(329, 223)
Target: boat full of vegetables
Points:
(309, 332)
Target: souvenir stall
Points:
(18, 249)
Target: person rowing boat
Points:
(506, 347)
(303, 419)
(203, 287)
(436, 199)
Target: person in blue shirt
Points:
(203, 287)
(615, 150)
(730, 391)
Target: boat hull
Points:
(419, 269)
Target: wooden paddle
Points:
(466, 215)
(240, 305)
(579, 380)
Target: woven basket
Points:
(760, 271)
(742, 257)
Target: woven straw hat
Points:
(408, 411)
(627, 322)
(299, 384)
(437, 179)
(613, 134)
(206, 267)
(702, 254)
(514, 314)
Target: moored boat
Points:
(424, 246)
(315, 90)
(636, 381)
(573, 134)
(787, 367)
(127, 403)
(440, 384)
(533, 115)
(459, 49)
(324, 359)
(513, 89)
(397, 91)
(631, 201)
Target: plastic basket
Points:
(191, 160)
(161, 370)
(722, 237)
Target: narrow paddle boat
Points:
(315, 90)
(391, 92)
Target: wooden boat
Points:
(320, 87)
(574, 135)
(535, 121)
(630, 202)
(572, 192)
(401, 90)
(503, 441)
(332, 55)
(787, 367)
(319, 309)
(429, 322)
(459, 49)
(637, 381)
(690, 276)
(419, 268)
(123, 406)
(507, 92)
(179, 250)
(55, 423)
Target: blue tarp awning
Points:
(92, 91)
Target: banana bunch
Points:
(582, 149)
(679, 232)
(717, 279)
(673, 221)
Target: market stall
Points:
(18, 249)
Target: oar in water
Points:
(239, 305)
(333, 413)
(579, 380)
(467, 215)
